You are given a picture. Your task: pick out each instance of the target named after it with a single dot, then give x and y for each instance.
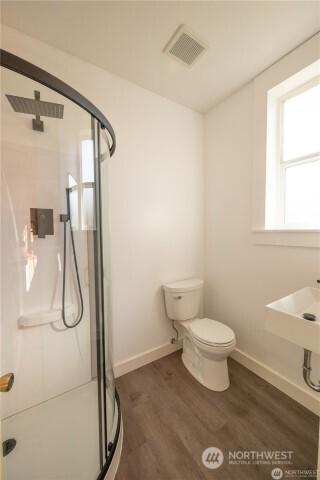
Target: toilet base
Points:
(209, 370)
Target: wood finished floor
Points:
(169, 419)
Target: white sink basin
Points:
(284, 318)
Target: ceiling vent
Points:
(184, 46)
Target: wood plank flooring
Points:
(169, 419)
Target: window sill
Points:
(286, 237)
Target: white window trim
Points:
(306, 57)
(276, 165)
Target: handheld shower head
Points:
(66, 219)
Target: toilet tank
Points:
(183, 298)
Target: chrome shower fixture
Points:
(36, 107)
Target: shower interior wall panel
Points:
(35, 169)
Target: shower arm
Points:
(307, 371)
(19, 65)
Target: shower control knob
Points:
(6, 382)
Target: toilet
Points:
(207, 343)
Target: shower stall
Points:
(60, 412)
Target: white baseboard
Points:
(282, 383)
(142, 359)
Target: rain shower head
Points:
(37, 107)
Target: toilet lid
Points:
(211, 332)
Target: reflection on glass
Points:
(87, 180)
(87, 166)
(71, 181)
(88, 208)
(30, 257)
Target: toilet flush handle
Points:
(178, 298)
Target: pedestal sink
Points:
(285, 318)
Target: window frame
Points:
(282, 165)
(296, 68)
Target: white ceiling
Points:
(127, 38)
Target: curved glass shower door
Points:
(59, 416)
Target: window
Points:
(293, 163)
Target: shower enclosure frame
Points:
(29, 70)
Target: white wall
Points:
(156, 192)
(240, 277)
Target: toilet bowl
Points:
(206, 347)
(207, 343)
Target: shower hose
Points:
(67, 219)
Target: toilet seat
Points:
(211, 332)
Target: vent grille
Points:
(184, 46)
